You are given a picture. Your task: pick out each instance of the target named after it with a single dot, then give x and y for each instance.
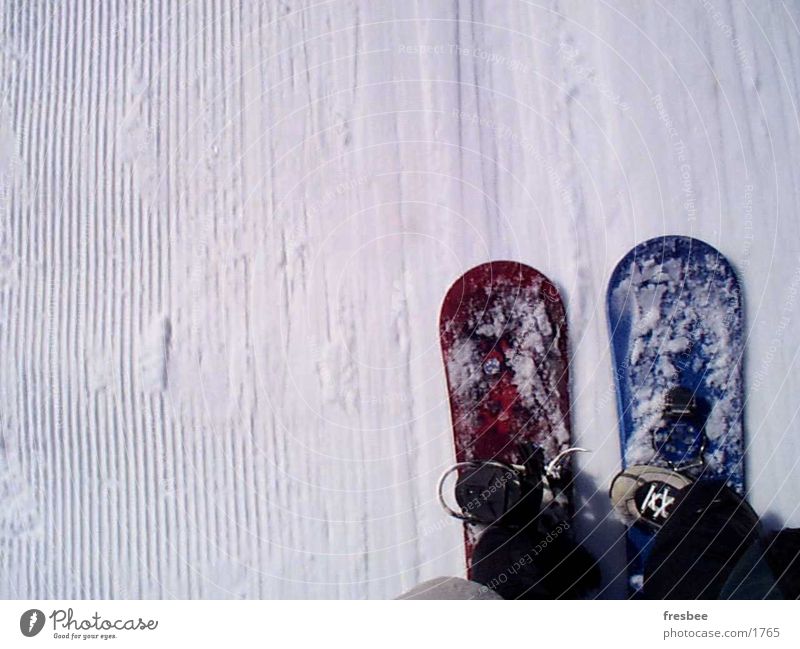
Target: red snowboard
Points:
(503, 332)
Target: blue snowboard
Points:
(675, 319)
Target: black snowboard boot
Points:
(527, 549)
(703, 530)
(697, 549)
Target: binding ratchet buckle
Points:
(681, 440)
(488, 490)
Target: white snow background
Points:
(226, 229)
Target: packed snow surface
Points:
(226, 229)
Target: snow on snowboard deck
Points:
(503, 332)
(675, 319)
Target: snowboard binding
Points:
(491, 491)
(526, 548)
(680, 439)
(646, 494)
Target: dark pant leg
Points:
(533, 564)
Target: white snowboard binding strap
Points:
(646, 494)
